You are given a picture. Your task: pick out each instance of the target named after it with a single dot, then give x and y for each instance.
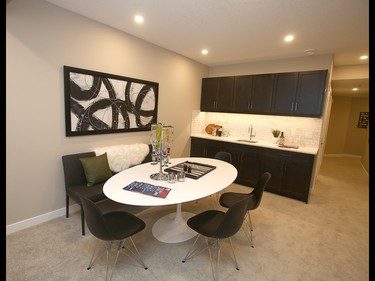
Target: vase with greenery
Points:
(276, 134)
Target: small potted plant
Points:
(276, 134)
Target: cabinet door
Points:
(204, 148)
(217, 94)
(249, 168)
(243, 86)
(284, 93)
(273, 163)
(310, 93)
(261, 97)
(197, 148)
(212, 148)
(297, 177)
(224, 102)
(235, 151)
(209, 91)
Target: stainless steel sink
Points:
(249, 141)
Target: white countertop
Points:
(259, 143)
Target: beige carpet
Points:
(327, 240)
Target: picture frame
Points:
(103, 103)
(363, 120)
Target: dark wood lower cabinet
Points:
(249, 166)
(271, 162)
(291, 171)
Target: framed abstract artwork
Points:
(102, 103)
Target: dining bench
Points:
(80, 182)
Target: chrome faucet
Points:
(251, 131)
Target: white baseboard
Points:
(40, 219)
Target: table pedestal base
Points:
(172, 228)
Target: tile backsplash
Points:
(301, 131)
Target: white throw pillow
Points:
(121, 157)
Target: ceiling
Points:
(239, 31)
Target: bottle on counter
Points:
(281, 139)
(219, 131)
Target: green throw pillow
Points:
(96, 169)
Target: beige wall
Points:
(351, 72)
(344, 137)
(40, 39)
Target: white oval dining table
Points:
(171, 228)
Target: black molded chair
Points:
(228, 199)
(223, 155)
(217, 226)
(112, 227)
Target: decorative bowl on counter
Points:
(209, 128)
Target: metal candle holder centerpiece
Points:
(161, 138)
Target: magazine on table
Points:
(148, 189)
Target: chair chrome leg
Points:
(135, 254)
(211, 244)
(114, 263)
(192, 252)
(234, 255)
(249, 220)
(248, 229)
(215, 268)
(108, 248)
(92, 260)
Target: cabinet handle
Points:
(291, 109)
(248, 105)
(285, 167)
(251, 105)
(295, 108)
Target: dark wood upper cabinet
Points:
(217, 94)
(253, 93)
(299, 93)
(310, 93)
(284, 93)
(243, 86)
(261, 97)
(288, 94)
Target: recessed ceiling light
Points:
(204, 52)
(138, 19)
(289, 38)
(355, 89)
(364, 57)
